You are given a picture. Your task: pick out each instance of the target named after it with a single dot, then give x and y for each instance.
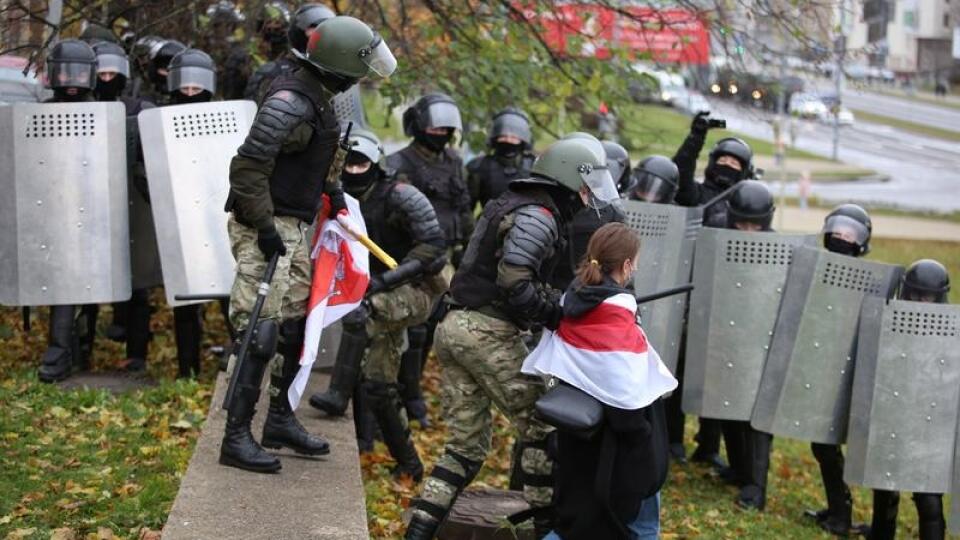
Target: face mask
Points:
(435, 142)
(180, 98)
(724, 175)
(358, 184)
(507, 150)
(61, 95)
(110, 90)
(837, 245)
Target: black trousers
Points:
(748, 451)
(886, 505)
(708, 436)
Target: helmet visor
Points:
(511, 124)
(70, 75)
(378, 58)
(442, 115)
(847, 229)
(602, 188)
(654, 189)
(191, 76)
(113, 62)
(366, 147)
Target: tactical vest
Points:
(298, 178)
(442, 182)
(382, 225)
(584, 223)
(475, 283)
(495, 176)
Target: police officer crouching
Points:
(401, 220)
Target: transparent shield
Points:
(443, 115)
(379, 58)
(846, 228)
(191, 76)
(70, 74)
(511, 124)
(603, 190)
(115, 63)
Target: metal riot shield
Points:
(738, 278)
(667, 236)
(187, 151)
(349, 108)
(63, 212)
(807, 379)
(144, 254)
(906, 397)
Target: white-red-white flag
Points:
(341, 272)
(604, 353)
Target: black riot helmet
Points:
(305, 19)
(724, 175)
(847, 230)
(225, 13)
(434, 110)
(656, 180)
(618, 162)
(510, 121)
(113, 70)
(161, 53)
(71, 69)
(750, 207)
(94, 33)
(192, 76)
(925, 280)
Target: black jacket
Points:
(601, 482)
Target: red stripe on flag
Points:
(606, 327)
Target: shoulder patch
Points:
(546, 211)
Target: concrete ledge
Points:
(311, 498)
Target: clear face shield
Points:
(70, 75)
(191, 76)
(847, 229)
(653, 189)
(511, 124)
(603, 190)
(442, 115)
(113, 63)
(366, 147)
(378, 57)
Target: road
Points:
(895, 107)
(924, 173)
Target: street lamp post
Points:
(841, 48)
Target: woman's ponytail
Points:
(608, 248)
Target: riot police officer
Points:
(750, 209)
(730, 161)
(509, 156)
(429, 164)
(846, 230)
(71, 74)
(403, 221)
(229, 54)
(501, 288)
(290, 158)
(654, 180)
(161, 53)
(925, 280)
(305, 21)
(272, 23)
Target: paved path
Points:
(811, 220)
(311, 498)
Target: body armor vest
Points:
(383, 225)
(584, 223)
(442, 182)
(495, 176)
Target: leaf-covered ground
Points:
(86, 463)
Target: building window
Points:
(946, 20)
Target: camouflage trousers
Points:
(480, 358)
(392, 312)
(290, 288)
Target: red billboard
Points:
(668, 35)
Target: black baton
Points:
(665, 293)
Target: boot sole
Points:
(330, 411)
(231, 462)
(275, 445)
(46, 379)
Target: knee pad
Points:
(355, 322)
(379, 393)
(265, 338)
(291, 337)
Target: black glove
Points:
(269, 242)
(376, 285)
(700, 123)
(337, 203)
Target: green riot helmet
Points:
(71, 64)
(362, 167)
(573, 163)
(305, 21)
(580, 135)
(347, 49)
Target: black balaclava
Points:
(179, 98)
(358, 184)
(841, 246)
(109, 90)
(507, 150)
(435, 143)
(61, 95)
(723, 175)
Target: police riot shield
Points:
(738, 278)
(906, 397)
(187, 151)
(348, 107)
(667, 235)
(805, 389)
(144, 254)
(63, 212)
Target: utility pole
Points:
(841, 48)
(780, 130)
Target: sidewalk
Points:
(311, 498)
(907, 228)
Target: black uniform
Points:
(488, 176)
(581, 227)
(260, 80)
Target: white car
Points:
(807, 106)
(691, 102)
(844, 117)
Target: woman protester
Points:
(607, 483)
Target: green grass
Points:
(921, 98)
(952, 217)
(920, 129)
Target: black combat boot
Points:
(282, 427)
(757, 460)
(385, 405)
(421, 528)
(188, 332)
(239, 449)
(117, 330)
(346, 370)
(63, 345)
(411, 363)
(364, 423)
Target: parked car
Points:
(808, 106)
(844, 116)
(691, 102)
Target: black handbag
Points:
(571, 410)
